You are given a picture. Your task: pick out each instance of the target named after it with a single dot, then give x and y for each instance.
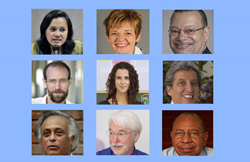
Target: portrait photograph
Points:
(56, 132)
(122, 31)
(122, 82)
(187, 31)
(123, 132)
(58, 32)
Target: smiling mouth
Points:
(121, 45)
(188, 96)
(182, 46)
(56, 40)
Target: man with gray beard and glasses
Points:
(57, 80)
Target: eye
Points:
(193, 133)
(195, 83)
(118, 77)
(182, 82)
(52, 29)
(113, 34)
(121, 134)
(46, 133)
(178, 133)
(128, 33)
(52, 81)
(190, 31)
(127, 78)
(62, 30)
(59, 132)
(63, 80)
(174, 31)
(111, 133)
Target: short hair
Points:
(180, 65)
(191, 114)
(116, 18)
(73, 128)
(134, 82)
(201, 12)
(126, 119)
(56, 64)
(43, 43)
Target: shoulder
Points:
(138, 102)
(34, 48)
(106, 151)
(206, 51)
(104, 102)
(37, 100)
(209, 151)
(168, 152)
(138, 152)
(138, 50)
(68, 102)
(78, 49)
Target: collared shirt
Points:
(206, 151)
(138, 51)
(109, 151)
(42, 100)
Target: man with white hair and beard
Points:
(57, 80)
(124, 131)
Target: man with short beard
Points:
(124, 131)
(57, 80)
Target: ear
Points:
(72, 140)
(138, 38)
(136, 136)
(205, 138)
(44, 83)
(70, 80)
(107, 37)
(169, 90)
(206, 32)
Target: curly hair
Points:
(134, 82)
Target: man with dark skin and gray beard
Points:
(57, 80)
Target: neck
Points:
(122, 98)
(49, 101)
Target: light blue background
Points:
(231, 77)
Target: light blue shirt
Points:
(206, 151)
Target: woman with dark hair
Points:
(56, 29)
(122, 85)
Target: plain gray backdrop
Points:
(75, 15)
(165, 27)
(103, 46)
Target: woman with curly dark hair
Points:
(56, 34)
(122, 85)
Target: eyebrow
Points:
(186, 79)
(118, 130)
(185, 26)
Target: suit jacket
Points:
(206, 51)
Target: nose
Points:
(52, 137)
(57, 85)
(182, 36)
(120, 37)
(116, 139)
(189, 87)
(186, 138)
(57, 33)
(123, 80)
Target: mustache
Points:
(58, 91)
(182, 43)
(117, 144)
(186, 146)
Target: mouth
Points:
(56, 40)
(53, 147)
(121, 45)
(123, 87)
(182, 46)
(188, 96)
(186, 148)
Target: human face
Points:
(188, 44)
(122, 40)
(122, 81)
(185, 87)
(55, 137)
(187, 146)
(122, 146)
(57, 31)
(58, 92)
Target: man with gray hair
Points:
(124, 131)
(188, 136)
(57, 133)
(183, 82)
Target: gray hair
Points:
(201, 12)
(191, 114)
(73, 128)
(180, 65)
(126, 119)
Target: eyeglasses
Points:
(119, 134)
(188, 31)
(52, 82)
(192, 134)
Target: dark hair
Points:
(201, 12)
(73, 128)
(180, 65)
(191, 114)
(55, 64)
(43, 43)
(134, 82)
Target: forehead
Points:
(187, 122)
(54, 122)
(56, 72)
(117, 128)
(124, 25)
(185, 74)
(122, 72)
(185, 19)
(60, 21)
